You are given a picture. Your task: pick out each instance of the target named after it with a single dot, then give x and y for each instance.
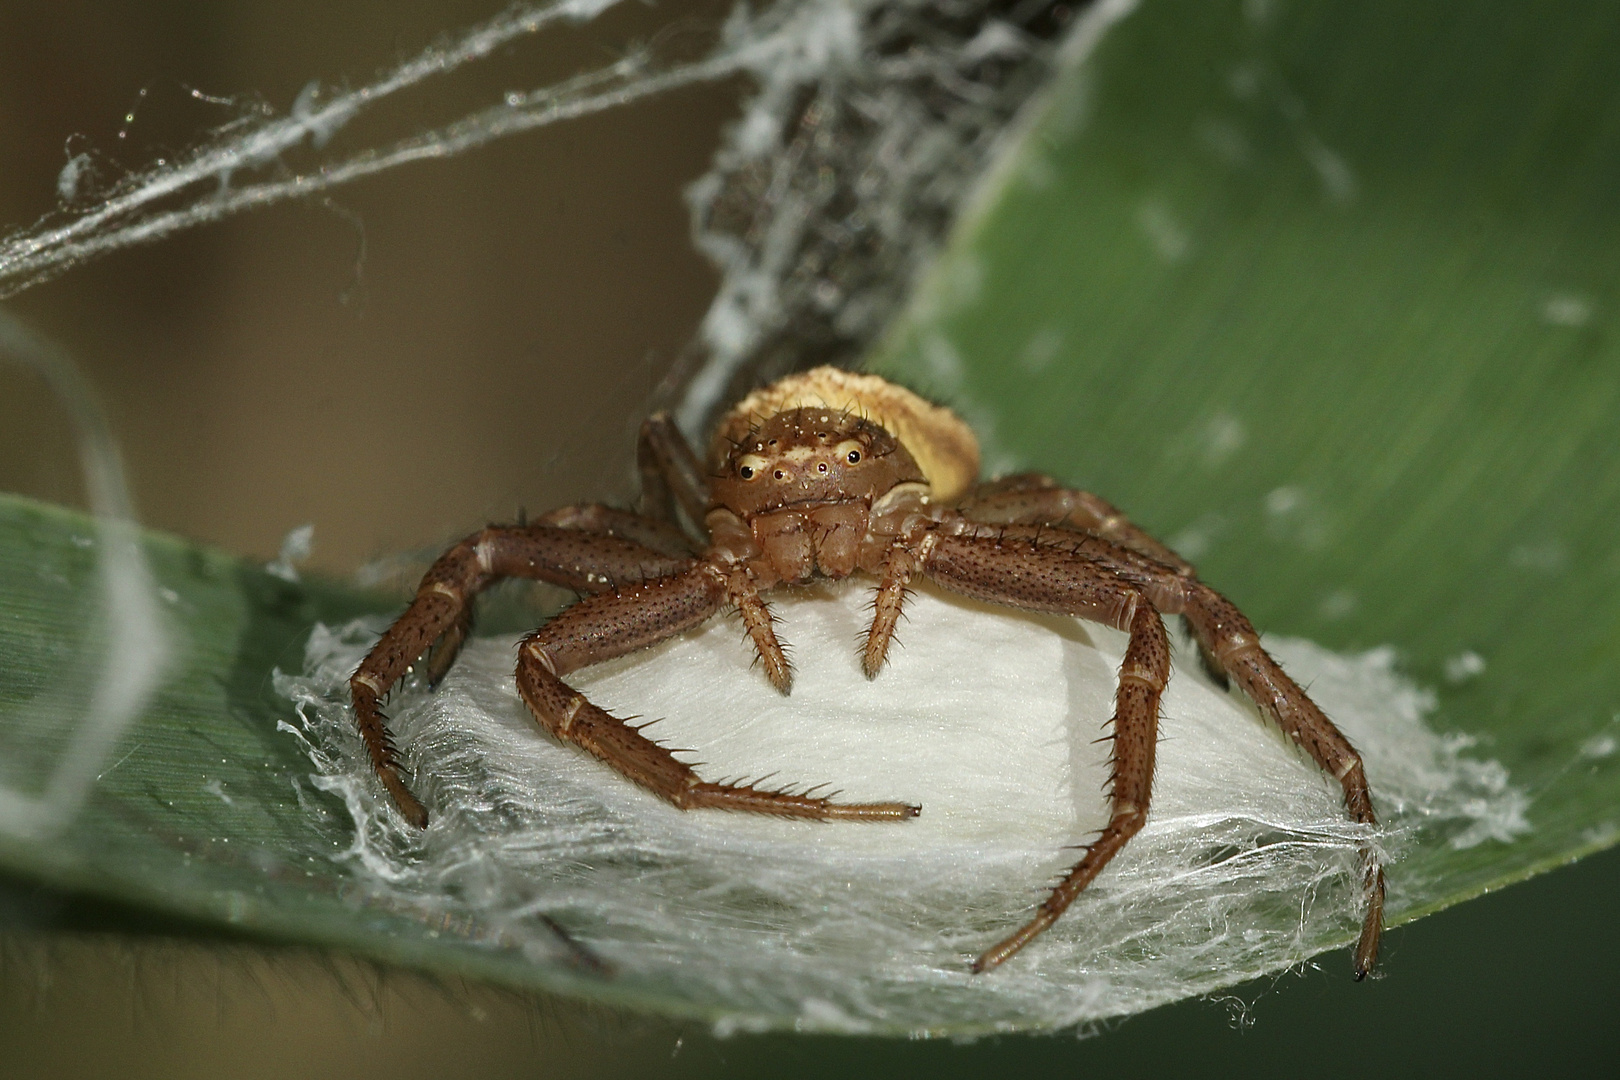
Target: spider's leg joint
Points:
(539, 654)
(576, 703)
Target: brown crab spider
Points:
(827, 473)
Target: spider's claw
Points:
(781, 676)
(1372, 926)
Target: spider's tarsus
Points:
(414, 813)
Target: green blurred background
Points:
(435, 348)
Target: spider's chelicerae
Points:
(828, 473)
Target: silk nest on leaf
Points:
(992, 720)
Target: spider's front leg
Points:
(602, 627)
(442, 610)
(1226, 635)
(1055, 580)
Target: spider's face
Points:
(811, 456)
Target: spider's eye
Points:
(750, 466)
(850, 451)
(854, 457)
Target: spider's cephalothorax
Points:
(828, 473)
(804, 485)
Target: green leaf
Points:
(1326, 294)
(1321, 292)
(182, 816)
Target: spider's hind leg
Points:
(1033, 499)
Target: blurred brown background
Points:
(433, 348)
(423, 351)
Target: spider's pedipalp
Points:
(760, 623)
